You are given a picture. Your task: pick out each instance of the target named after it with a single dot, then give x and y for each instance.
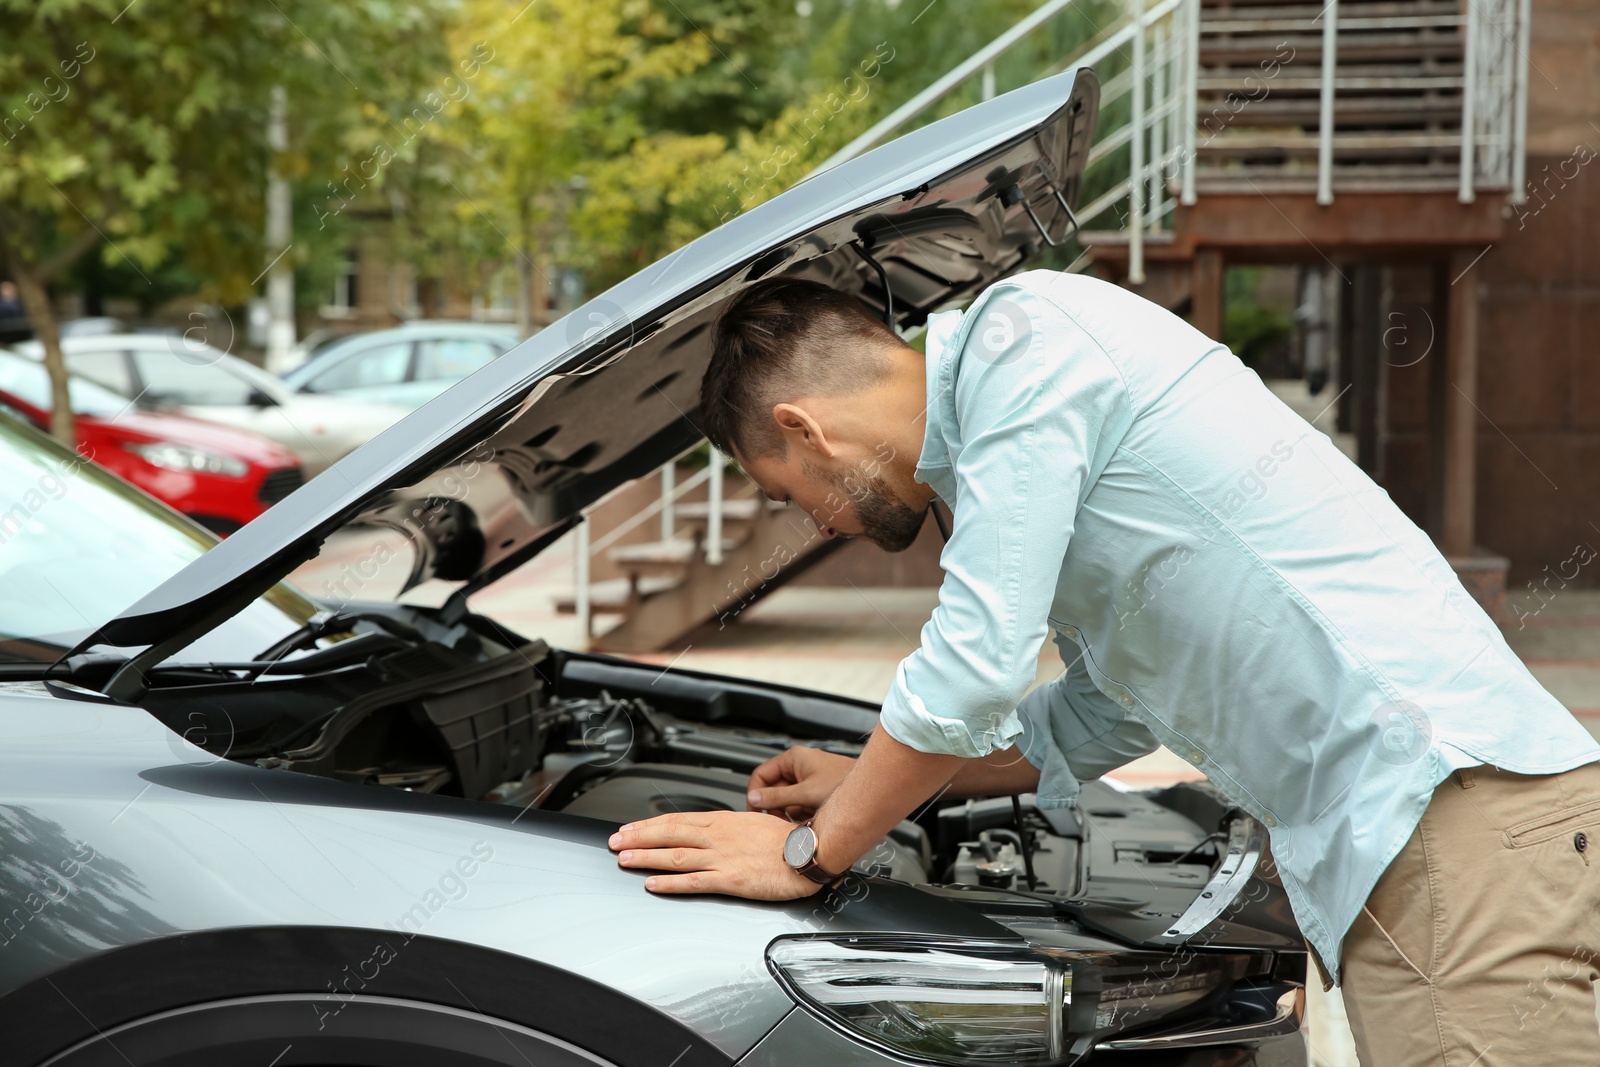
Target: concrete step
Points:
(1365, 144)
(1350, 178)
(1303, 22)
(743, 509)
(1314, 9)
(1155, 244)
(1402, 48)
(612, 597)
(658, 557)
(1210, 9)
(1249, 83)
(1367, 112)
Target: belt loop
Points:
(1464, 777)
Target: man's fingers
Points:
(654, 833)
(734, 853)
(776, 771)
(697, 882)
(674, 818)
(777, 797)
(666, 859)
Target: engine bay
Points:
(400, 697)
(621, 760)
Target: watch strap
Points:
(811, 868)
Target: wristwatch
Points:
(800, 852)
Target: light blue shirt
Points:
(1219, 578)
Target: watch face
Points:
(799, 847)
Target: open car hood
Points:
(488, 473)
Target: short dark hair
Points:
(778, 340)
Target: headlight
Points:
(956, 1001)
(173, 457)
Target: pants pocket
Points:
(1564, 822)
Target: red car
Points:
(219, 476)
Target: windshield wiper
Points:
(354, 649)
(91, 670)
(328, 623)
(31, 671)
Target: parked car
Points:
(408, 365)
(219, 476)
(251, 827)
(91, 326)
(181, 373)
(307, 347)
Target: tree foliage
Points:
(139, 130)
(606, 133)
(587, 135)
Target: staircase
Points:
(714, 558)
(1398, 75)
(1313, 100)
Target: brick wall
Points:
(1538, 491)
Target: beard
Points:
(886, 520)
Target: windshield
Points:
(28, 382)
(78, 546)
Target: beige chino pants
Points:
(1480, 944)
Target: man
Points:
(1219, 579)
(13, 316)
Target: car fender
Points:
(115, 831)
(258, 988)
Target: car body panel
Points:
(408, 395)
(321, 429)
(220, 502)
(116, 830)
(136, 1002)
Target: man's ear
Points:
(801, 429)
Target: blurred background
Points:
(242, 238)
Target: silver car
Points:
(238, 826)
(406, 366)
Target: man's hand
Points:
(737, 853)
(740, 853)
(797, 782)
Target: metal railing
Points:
(1494, 95)
(1160, 82)
(1160, 43)
(586, 547)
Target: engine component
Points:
(491, 726)
(988, 861)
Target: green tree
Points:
(138, 129)
(589, 110)
(829, 75)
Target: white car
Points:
(179, 373)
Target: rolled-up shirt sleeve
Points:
(1036, 407)
(1073, 733)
